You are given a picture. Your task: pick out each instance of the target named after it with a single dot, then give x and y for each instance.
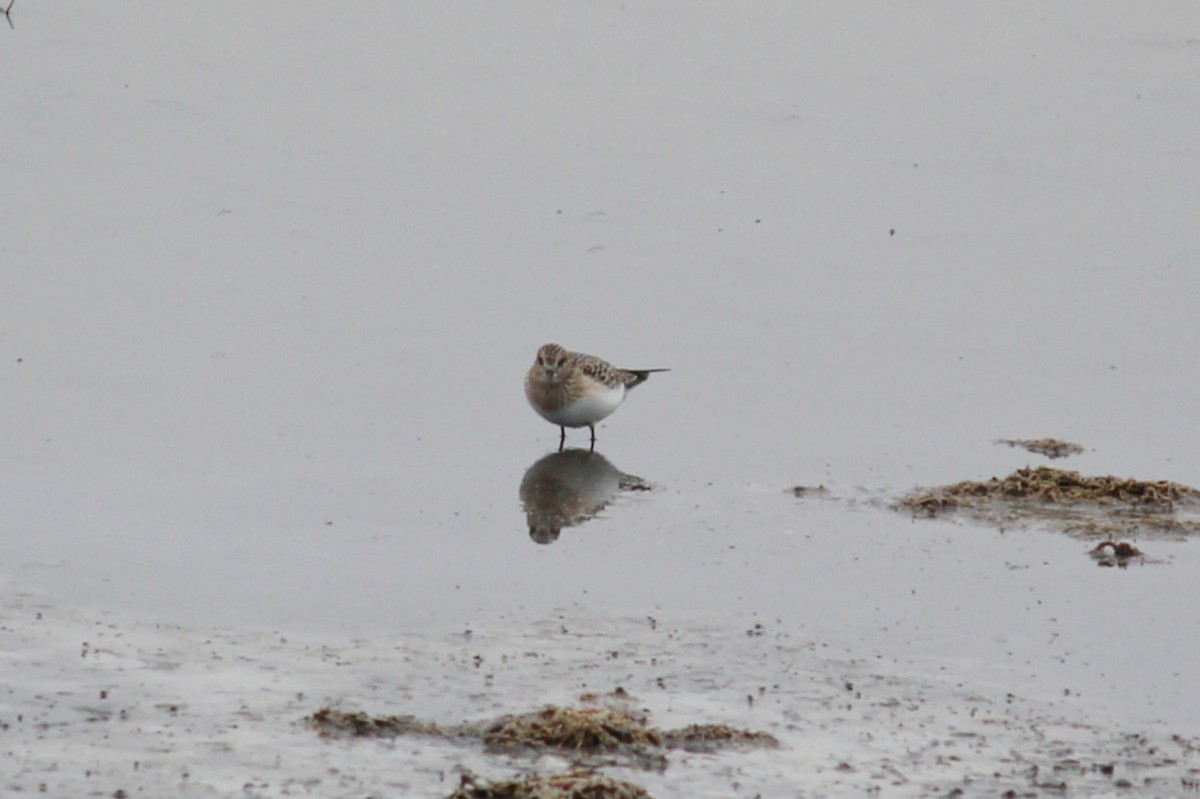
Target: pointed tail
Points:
(635, 377)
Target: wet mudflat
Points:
(189, 712)
(272, 277)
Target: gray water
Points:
(272, 275)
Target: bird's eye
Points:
(562, 362)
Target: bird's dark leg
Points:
(593, 429)
(562, 438)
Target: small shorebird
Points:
(571, 389)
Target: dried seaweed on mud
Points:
(1088, 507)
(577, 784)
(594, 729)
(335, 723)
(593, 734)
(605, 735)
(709, 737)
(1050, 485)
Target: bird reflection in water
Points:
(565, 489)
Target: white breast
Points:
(588, 409)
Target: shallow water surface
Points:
(273, 277)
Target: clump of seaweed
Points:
(335, 723)
(709, 737)
(590, 736)
(1103, 507)
(577, 784)
(1050, 447)
(592, 729)
(1050, 485)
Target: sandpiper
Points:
(571, 389)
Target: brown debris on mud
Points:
(590, 736)
(577, 784)
(591, 729)
(1050, 485)
(710, 737)
(334, 723)
(1115, 553)
(1088, 507)
(588, 729)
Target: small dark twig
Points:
(8, 14)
